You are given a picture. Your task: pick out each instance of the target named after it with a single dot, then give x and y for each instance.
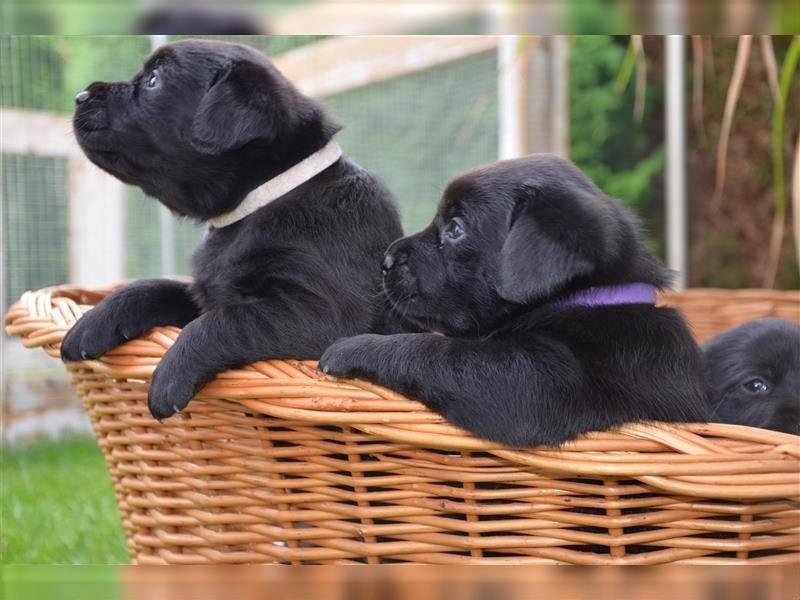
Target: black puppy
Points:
(196, 20)
(753, 371)
(215, 132)
(545, 295)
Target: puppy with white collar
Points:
(291, 261)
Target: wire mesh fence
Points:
(35, 223)
(420, 130)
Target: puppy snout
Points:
(94, 92)
(91, 107)
(82, 97)
(388, 263)
(393, 259)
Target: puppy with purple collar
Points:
(546, 298)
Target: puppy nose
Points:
(388, 263)
(394, 259)
(82, 97)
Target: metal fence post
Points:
(676, 159)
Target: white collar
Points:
(282, 183)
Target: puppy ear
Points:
(240, 107)
(536, 261)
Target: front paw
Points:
(349, 357)
(170, 391)
(93, 335)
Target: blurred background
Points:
(696, 134)
(410, 582)
(291, 17)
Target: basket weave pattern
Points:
(275, 462)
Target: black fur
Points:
(765, 351)
(512, 367)
(284, 282)
(194, 20)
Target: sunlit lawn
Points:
(57, 506)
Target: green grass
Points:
(37, 582)
(57, 506)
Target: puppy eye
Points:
(153, 80)
(756, 386)
(454, 229)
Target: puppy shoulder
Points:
(361, 180)
(356, 190)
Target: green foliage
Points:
(595, 17)
(78, 17)
(607, 144)
(785, 17)
(627, 69)
(788, 269)
(778, 125)
(58, 506)
(724, 270)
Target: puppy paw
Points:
(348, 357)
(170, 391)
(91, 337)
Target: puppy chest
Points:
(219, 283)
(216, 269)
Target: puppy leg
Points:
(128, 313)
(234, 336)
(498, 392)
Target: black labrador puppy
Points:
(545, 296)
(197, 20)
(215, 132)
(753, 371)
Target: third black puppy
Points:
(292, 260)
(753, 371)
(546, 296)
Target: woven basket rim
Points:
(712, 460)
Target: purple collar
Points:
(611, 295)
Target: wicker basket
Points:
(274, 463)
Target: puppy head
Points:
(753, 372)
(200, 125)
(514, 233)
